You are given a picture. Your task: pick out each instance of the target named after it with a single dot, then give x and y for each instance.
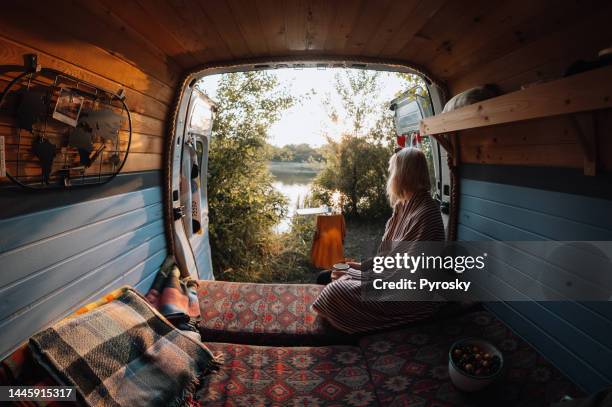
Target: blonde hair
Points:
(408, 173)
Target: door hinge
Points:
(179, 212)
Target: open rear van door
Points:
(189, 189)
(409, 109)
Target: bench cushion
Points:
(270, 314)
(410, 366)
(288, 376)
(21, 369)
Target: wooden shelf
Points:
(578, 93)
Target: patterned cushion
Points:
(289, 376)
(270, 314)
(20, 369)
(409, 367)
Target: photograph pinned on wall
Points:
(68, 107)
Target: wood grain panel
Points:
(221, 17)
(585, 37)
(550, 130)
(140, 125)
(246, 17)
(145, 46)
(543, 142)
(588, 91)
(177, 17)
(135, 162)
(444, 28)
(387, 31)
(506, 17)
(94, 25)
(564, 155)
(521, 30)
(272, 14)
(12, 53)
(21, 26)
(318, 23)
(369, 20)
(549, 142)
(77, 53)
(345, 15)
(140, 143)
(417, 19)
(468, 42)
(295, 16)
(136, 17)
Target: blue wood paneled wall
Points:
(576, 337)
(55, 260)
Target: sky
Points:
(309, 122)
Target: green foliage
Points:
(356, 88)
(297, 153)
(354, 177)
(357, 165)
(357, 169)
(243, 204)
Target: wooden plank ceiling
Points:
(461, 42)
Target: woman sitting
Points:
(416, 217)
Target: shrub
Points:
(357, 169)
(243, 204)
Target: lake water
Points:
(293, 180)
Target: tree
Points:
(243, 204)
(356, 89)
(298, 153)
(357, 164)
(356, 168)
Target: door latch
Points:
(179, 212)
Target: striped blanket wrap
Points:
(176, 298)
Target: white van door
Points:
(190, 199)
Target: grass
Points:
(288, 257)
(292, 264)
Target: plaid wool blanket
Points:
(124, 353)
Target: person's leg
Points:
(324, 277)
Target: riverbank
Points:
(288, 248)
(293, 180)
(289, 259)
(282, 167)
(361, 241)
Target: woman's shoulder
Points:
(426, 207)
(421, 199)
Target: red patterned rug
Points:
(270, 314)
(409, 367)
(290, 376)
